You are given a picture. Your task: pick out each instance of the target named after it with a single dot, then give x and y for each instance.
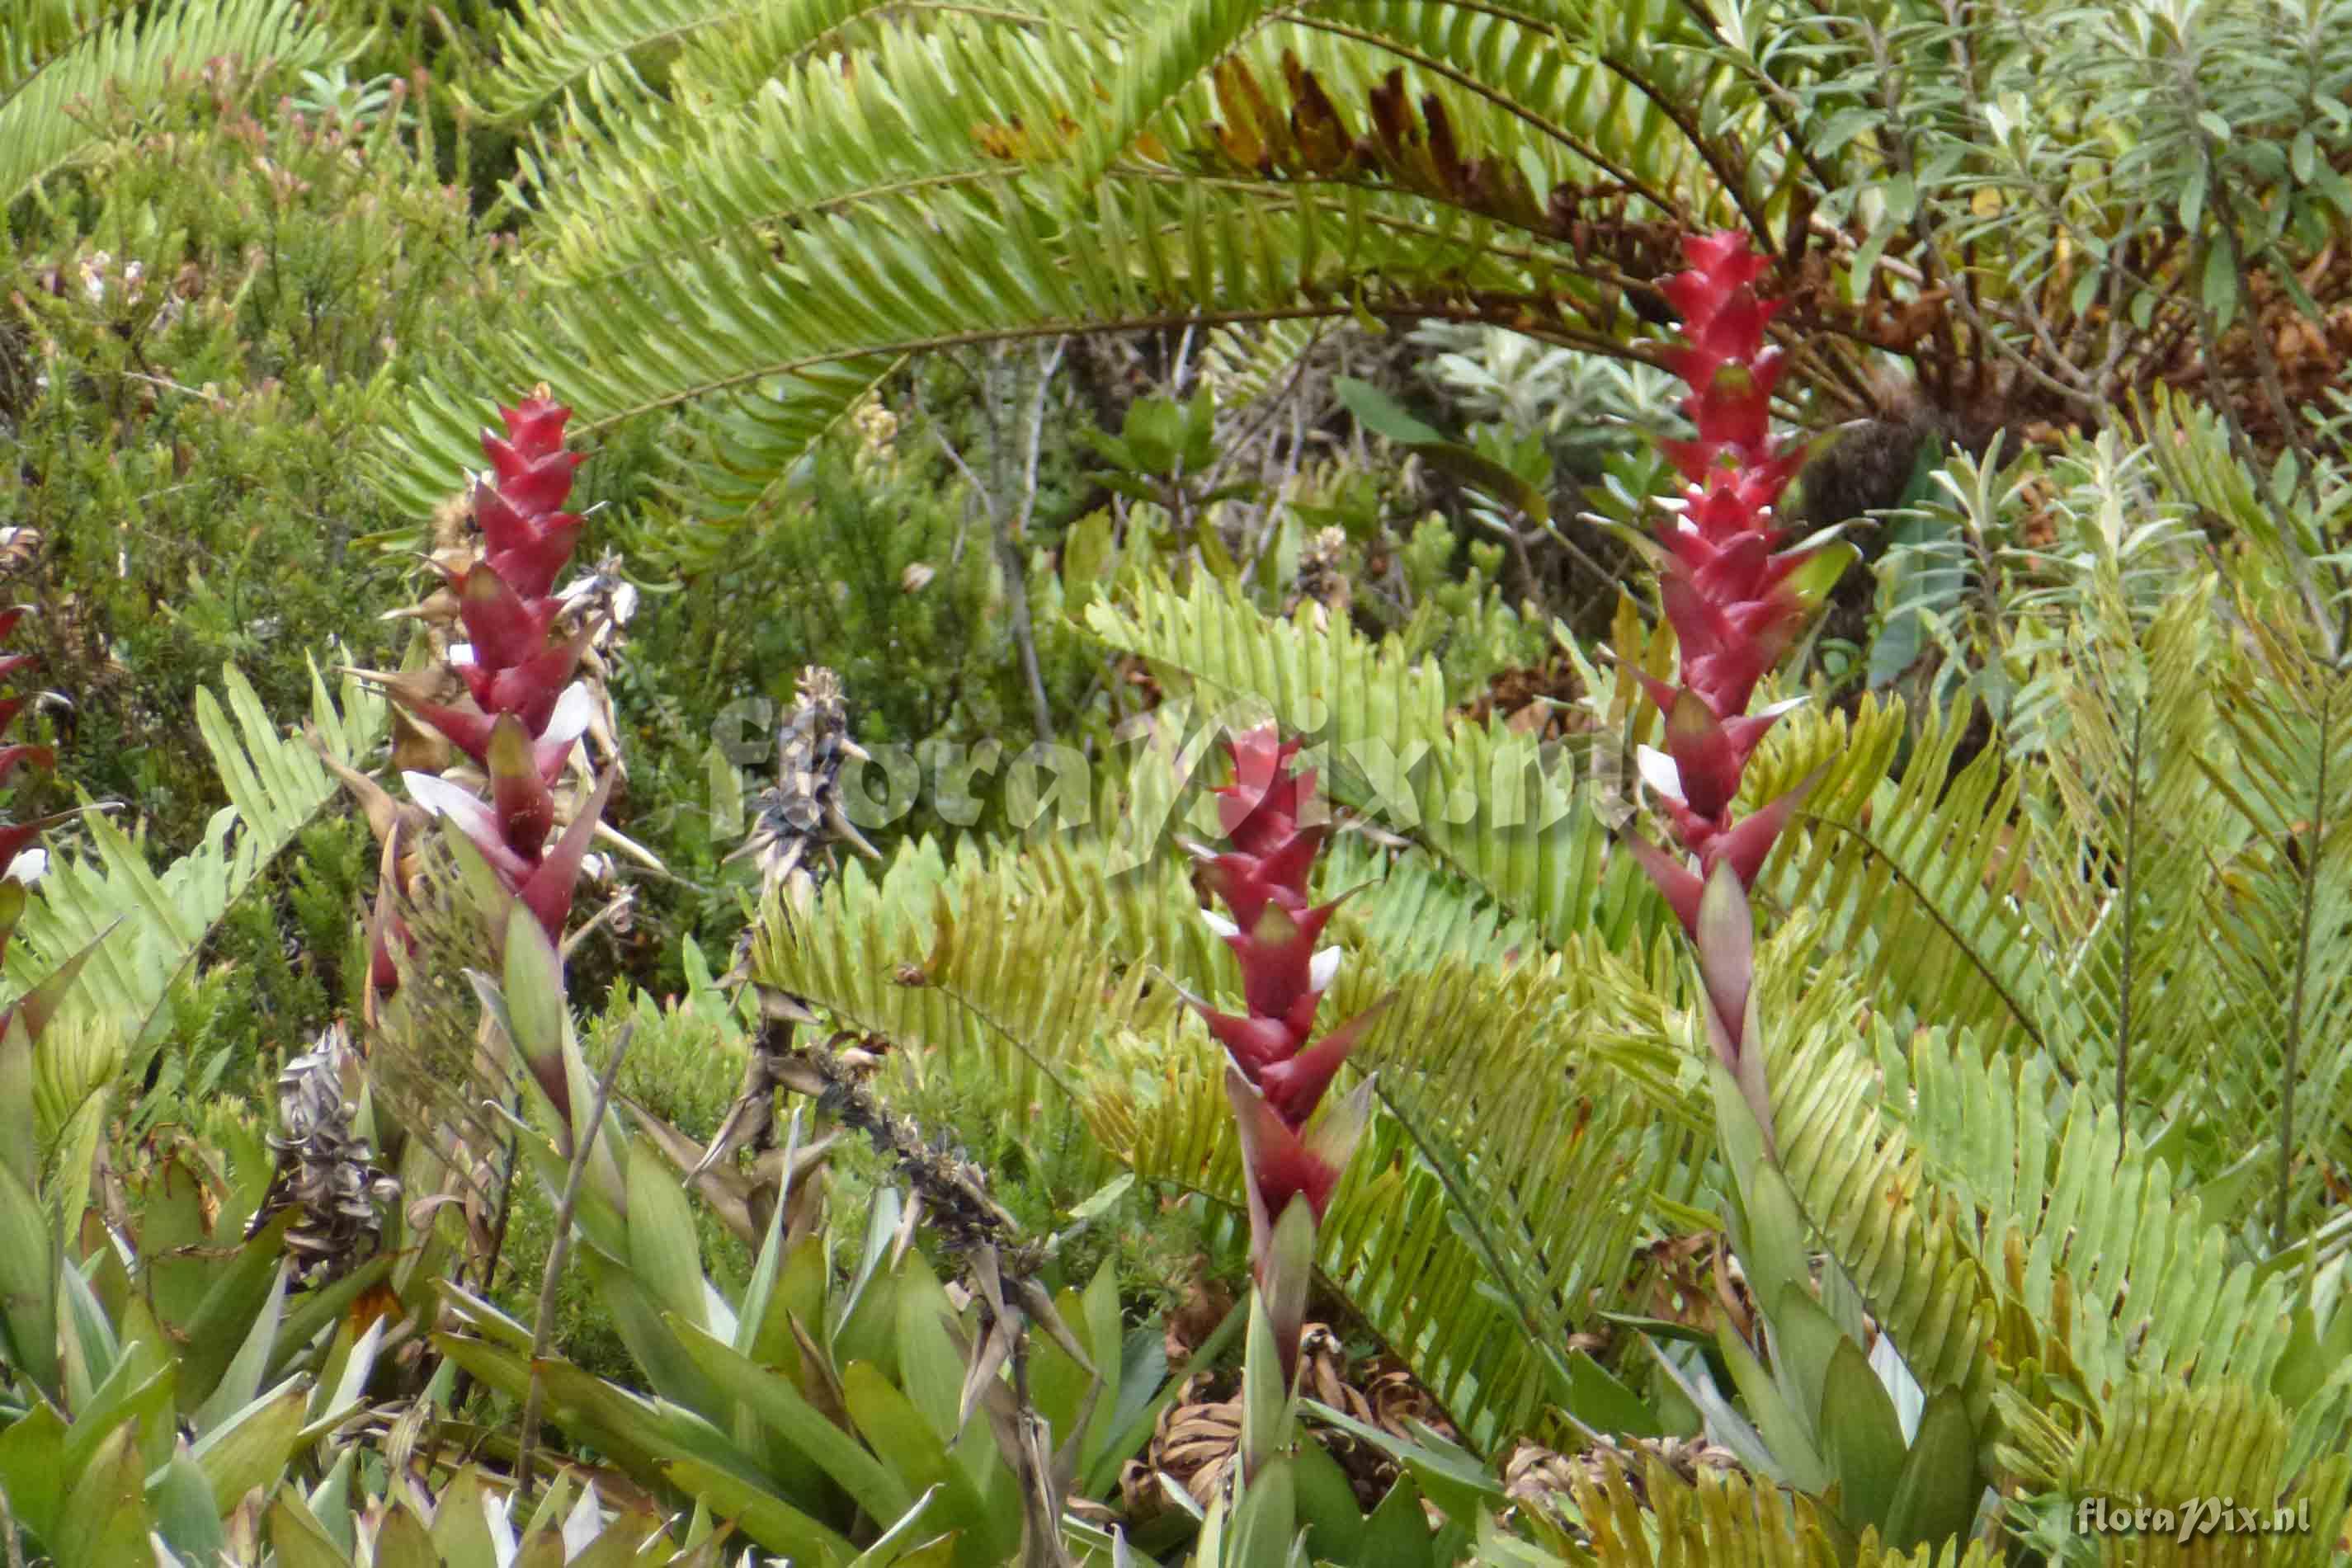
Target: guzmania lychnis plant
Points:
(19, 858)
(525, 712)
(1737, 600)
(1276, 1075)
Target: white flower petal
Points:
(573, 711)
(27, 867)
(586, 1521)
(1776, 710)
(443, 798)
(1220, 925)
(1321, 968)
(1659, 773)
(503, 1545)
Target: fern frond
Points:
(1423, 914)
(1248, 366)
(154, 924)
(32, 31)
(51, 103)
(767, 354)
(2169, 1447)
(1909, 877)
(923, 113)
(1492, 803)
(1726, 1517)
(2128, 1277)
(2142, 821)
(960, 961)
(1552, 1154)
(1188, 40)
(546, 48)
(1609, 113)
(2279, 916)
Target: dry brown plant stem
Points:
(8, 1533)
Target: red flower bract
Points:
(1277, 1076)
(516, 678)
(1272, 930)
(1732, 595)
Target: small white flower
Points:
(573, 712)
(1220, 925)
(584, 1523)
(1659, 773)
(1321, 968)
(503, 1545)
(443, 798)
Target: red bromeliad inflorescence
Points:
(1737, 600)
(526, 713)
(19, 839)
(16, 837)
(1276, 1075)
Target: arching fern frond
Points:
(154, 924)
(57, 77)
(1492, 803)
(760, 262)
(1574, 99)
(1910, 876)
(924, 112)
(547, 48)
(721, 71)
(766, 354)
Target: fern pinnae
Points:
(736, 66)
(2086, 1200)
(2130, 866)
(2291, 1069)
(275, 785)
(2277, 909)
(1502, 101)
(1950, 929)
(546, 50)
(138, 54)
